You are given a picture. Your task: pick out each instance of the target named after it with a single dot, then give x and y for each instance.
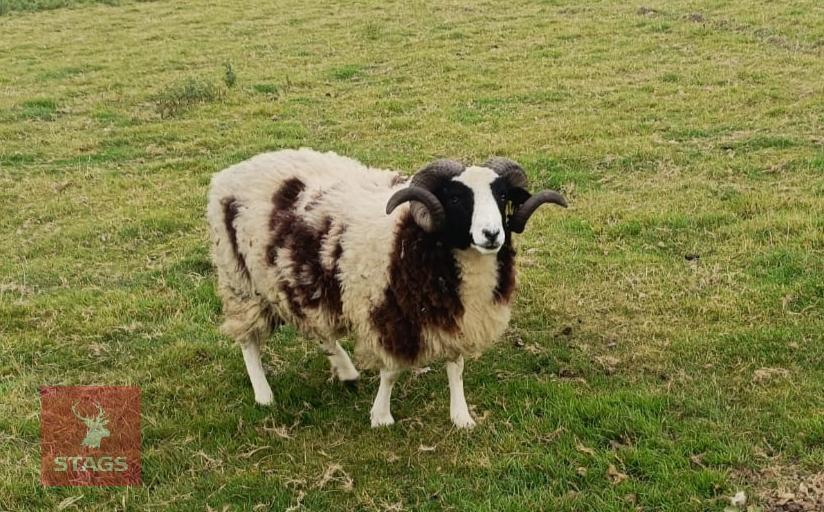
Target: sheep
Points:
(416, 269)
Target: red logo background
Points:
(62, 434)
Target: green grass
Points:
(7, 6)
(686, 128)
(180, 96)
(346, 72)
(43, 109)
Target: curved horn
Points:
(510, 169)
(414, 193)
(517, 222)
(430, 176)
(426, 209)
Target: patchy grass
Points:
(7, 6)
(666, 349)
(268, 89)
(40, 109)
(178, 97)
(346, 72)
(68, 72)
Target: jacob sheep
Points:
(416, 269)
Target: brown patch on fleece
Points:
(310, 284)
(316, 286)
(230, 211)
(288, 193)
(314, 201)
(422, 293)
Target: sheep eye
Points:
(454, 200)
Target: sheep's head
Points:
(476, 206)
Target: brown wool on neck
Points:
(423, 292)
(506, 274)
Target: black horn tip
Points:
(551, 196)
(401, 196)
(521, 216)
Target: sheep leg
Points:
(342, 366)
(248, 321)
(254, 367)
(458, 410)
(380, 414)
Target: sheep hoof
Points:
(382, 420)
(264, 398)
(463, 422)
(346, 376)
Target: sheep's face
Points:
(478, 207)
(476, 202)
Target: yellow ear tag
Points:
(509, 209)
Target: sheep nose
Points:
(491, 236)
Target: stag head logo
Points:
(95, 426)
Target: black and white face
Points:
(475, 203)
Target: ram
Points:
(414, 269)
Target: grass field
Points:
(666, 347)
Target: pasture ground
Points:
(666, 348)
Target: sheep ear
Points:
(518, 196)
